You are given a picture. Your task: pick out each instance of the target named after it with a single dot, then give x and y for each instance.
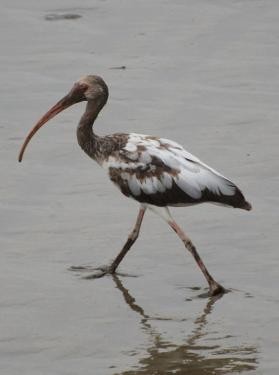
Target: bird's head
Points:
(88, 88)
(95, 88)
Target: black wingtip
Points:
(247, 206)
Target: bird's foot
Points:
(216, 289)
(98, 272)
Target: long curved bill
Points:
(64, 103)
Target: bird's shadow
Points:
(196, 356)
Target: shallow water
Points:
(202, 73)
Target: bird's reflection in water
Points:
(190, 358)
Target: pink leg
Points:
(130, 241)
(214, 287)
(110, 269)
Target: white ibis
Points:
(156, 172)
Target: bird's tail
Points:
(231, 196)
(246, 206)
(237, 200)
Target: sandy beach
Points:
(204, 73)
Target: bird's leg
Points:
(214, 287)
(130, 241)
(110, 269)
(165, 214)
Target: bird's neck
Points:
(87, 139)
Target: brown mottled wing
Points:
(160, 172)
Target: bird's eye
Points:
(83, 86)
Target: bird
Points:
(156, 172)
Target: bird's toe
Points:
(216, 289)
(93, 272)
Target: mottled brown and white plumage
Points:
(160, 172)
(156, 172)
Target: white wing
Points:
(159, 170)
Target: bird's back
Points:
(161, 172)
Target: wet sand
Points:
(204, 73)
